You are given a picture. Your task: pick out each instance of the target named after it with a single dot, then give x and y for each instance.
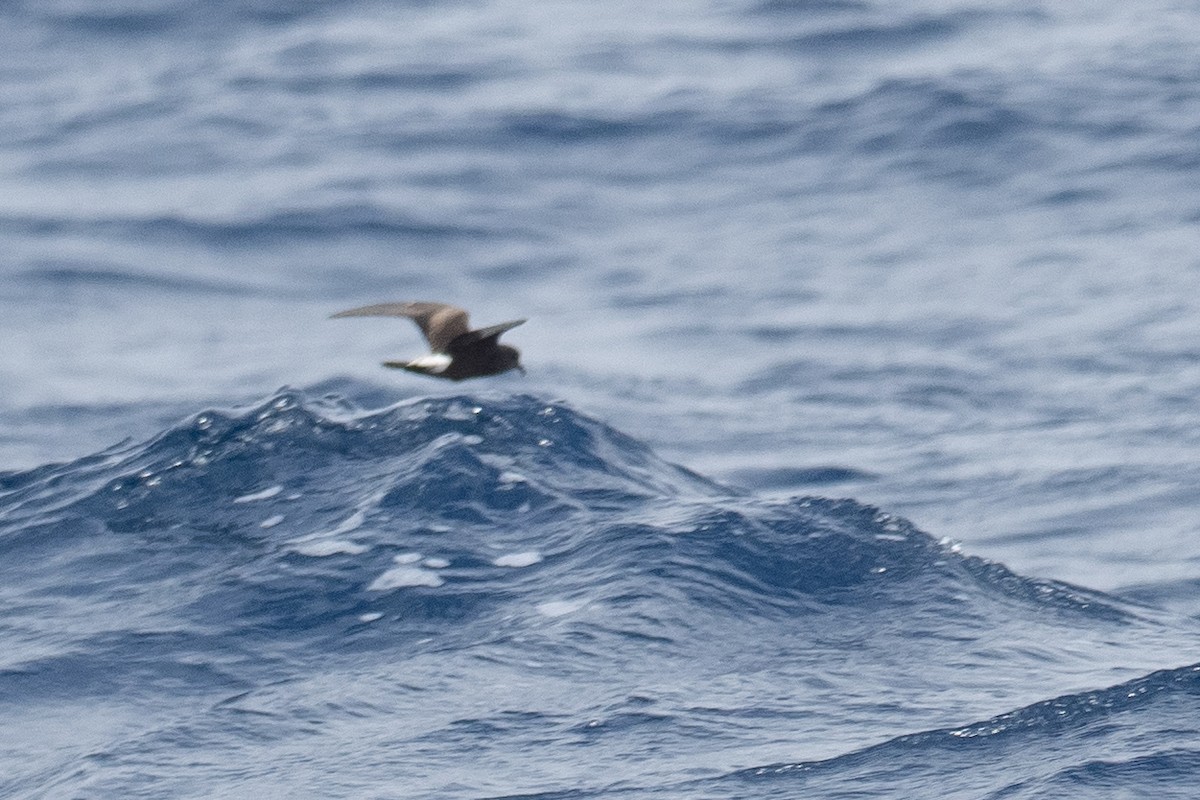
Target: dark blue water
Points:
(911, 293)
(494, 597)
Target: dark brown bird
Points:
(458, 352)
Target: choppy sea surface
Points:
(856, 458)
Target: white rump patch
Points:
(434, 362)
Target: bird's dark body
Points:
(475, 360)
(458, 352)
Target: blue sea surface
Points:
(856, 458)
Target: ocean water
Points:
(856, 456)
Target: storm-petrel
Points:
(458, 352)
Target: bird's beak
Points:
(522, 369)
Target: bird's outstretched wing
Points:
(441, 323)
(490, 332)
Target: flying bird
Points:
(458, 352)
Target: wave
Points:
(140, 19)
(1145, 729)
(302, 224)
(66, 274)
(532, 472)
(521, 562)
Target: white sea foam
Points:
(400, 577)
(559, 608)
(320, 548)
(350, 523)
(525, 559)
(265, 494)
(328, 543)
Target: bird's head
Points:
(510, 358)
